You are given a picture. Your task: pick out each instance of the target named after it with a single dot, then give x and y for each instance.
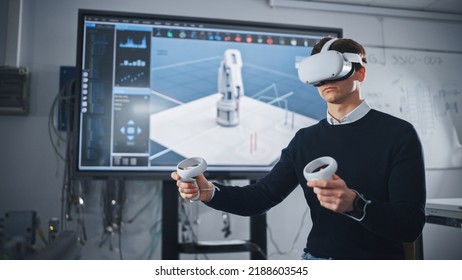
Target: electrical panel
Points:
(14, 90)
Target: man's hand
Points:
(189, 190)
(334, 194)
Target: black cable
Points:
(121, 202)
(186, 222)
(226, 224)
(278, 250)
(258, 249)
(81, 214)
(65, 94)
(156, 229)
(105, 214)
(112, 199)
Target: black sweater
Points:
(380, 156)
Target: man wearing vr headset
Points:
(376, 199)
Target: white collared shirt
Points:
(353, 116)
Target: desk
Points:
(444, 211)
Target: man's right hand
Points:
(189, 190)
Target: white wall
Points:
(31, 174)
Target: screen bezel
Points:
(235, 173)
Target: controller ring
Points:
(323, 174)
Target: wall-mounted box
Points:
(14, 90)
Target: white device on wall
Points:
(231, 87)
(189, 169)
(327, 65)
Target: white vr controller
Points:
(324, 174)
(189, 169)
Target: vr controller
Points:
(324, 174)
(189, 169)
(327, 65)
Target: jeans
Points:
(308, 256)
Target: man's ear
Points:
(361, 74)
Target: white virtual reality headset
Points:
(327, 65)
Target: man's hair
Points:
(342, 45)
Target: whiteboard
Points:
(423, 88)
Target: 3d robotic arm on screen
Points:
(231, 87)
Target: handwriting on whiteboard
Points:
(425, 89)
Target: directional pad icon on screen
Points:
(131, 130)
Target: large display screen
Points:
(156, 89)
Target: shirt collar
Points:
(353, 116)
